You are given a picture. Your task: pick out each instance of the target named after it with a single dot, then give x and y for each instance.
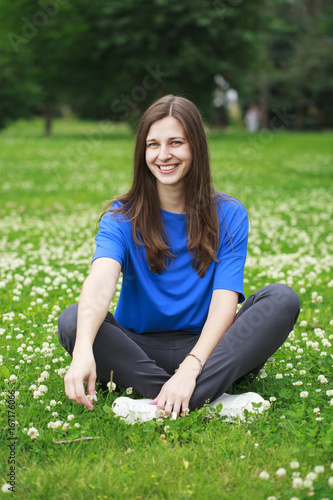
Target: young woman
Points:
(181, 247)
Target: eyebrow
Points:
(170, 139)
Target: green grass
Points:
(52, 193)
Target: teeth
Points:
(168, 168)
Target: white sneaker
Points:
(134, 410)
(233, 406)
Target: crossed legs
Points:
(146, 361)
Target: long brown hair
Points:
(142, 205)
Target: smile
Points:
(167, 169)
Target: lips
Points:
(167, 169)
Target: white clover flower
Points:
(43, 389)
(37, 394)
(281, 472)
(331, 402)
(304, 394)
(307, 483)
(289, 366)
(316, 410)
(294, 465)
(312, 476)
(264, 475)
(330, 482)
(61, 372)
(278, 376)
(322, 379)
(297, 482)
(266, 404)
(33, 433)
(129, 390)
(318, 469)
(303, 323)
(77, 425)
(329, 392)
(299, 382)
(13, 378)
(70, 417)
(33, 387)
(66, 426)
(271, 498)
(302, 372)
(53, 402)
(6, 488)
(161, 413)
(48, 408)
(113, 386)
(272, 399)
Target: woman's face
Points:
(168, 153)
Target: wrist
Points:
(191, 364)
(82, 347)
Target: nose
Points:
(164, 152)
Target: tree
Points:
(296, 68)
(113, 58)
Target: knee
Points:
(67, 323)
(284, 295)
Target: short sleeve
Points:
(110, 240)
(232, 250)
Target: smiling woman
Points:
(181, 247)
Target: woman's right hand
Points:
(83, 367)
(96, 295)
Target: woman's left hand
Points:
(178, 389)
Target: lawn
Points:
(52, 193)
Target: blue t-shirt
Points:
(176, 299)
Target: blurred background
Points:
(259, 64)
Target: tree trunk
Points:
(299, 113)
(48, 114)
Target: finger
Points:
(81, 397)
(91, 387)
(185, 407)
(160, 403)
(168, 408)
(75, 392)
(153, 402)
(176, 408)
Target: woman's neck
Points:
(171, 198)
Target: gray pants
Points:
(146, 361)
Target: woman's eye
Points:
(176, 143)
(152, 144)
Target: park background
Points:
(75, 77)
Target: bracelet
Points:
(199, 361)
